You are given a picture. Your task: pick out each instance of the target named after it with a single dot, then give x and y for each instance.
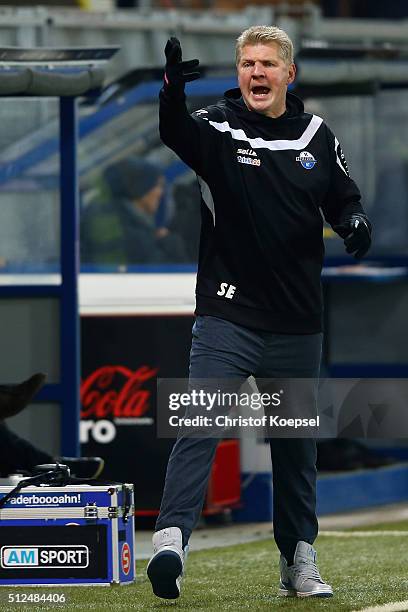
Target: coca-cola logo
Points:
(112, 392)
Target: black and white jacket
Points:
(264, 184)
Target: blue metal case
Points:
(70, 535)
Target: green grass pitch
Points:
(363, 571)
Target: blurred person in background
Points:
(186, 218)
(121, 229)
(19, 455)
(365, 9)
(267, 171)
(127, 3)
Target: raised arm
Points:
(178, 130)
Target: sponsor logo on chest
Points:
(248, 156)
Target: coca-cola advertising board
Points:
(122, 356)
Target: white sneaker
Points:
(302, 579)
(166, 567)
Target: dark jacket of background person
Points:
(120, 229)
(186, 220)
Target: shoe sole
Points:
(17, 397)
(164, 571)
(292, 593)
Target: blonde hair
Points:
(264, 35)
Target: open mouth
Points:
(260, 91)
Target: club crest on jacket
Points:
(307, 160)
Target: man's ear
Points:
(292, 73)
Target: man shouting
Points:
(266, 171)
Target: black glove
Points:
(178, 73)
(356, 231)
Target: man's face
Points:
(263, 77)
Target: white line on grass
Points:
(362, 534)
(398, 606)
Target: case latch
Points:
(127, 502)
(113, 512)
(91, 511)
